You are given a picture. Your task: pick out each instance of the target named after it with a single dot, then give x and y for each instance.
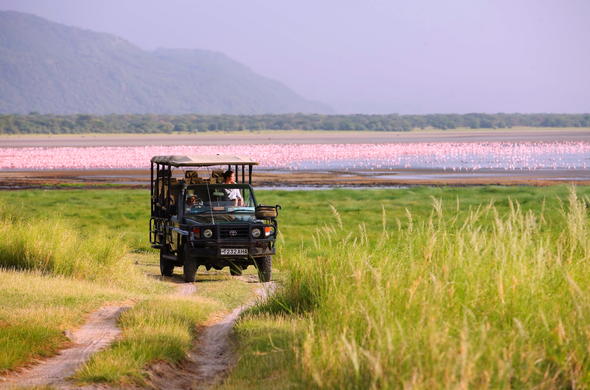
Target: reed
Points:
(485, 298)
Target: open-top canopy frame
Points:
(203, 160)
(161, 166)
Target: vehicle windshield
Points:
(219, 199)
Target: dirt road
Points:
(97, 333)
(208, 363)
(205, 365)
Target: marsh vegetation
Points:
(484, 290)
(420, 287)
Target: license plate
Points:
(233, 251)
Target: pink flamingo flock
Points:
(448, 156)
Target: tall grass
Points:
(119, 213)
(52, 246)
(484, 299)
(40, 260)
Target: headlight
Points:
(207, 233)
(256, 232)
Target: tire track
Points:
(212, 356)
(98, 332)
(206, 364)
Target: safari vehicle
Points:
(194, 220)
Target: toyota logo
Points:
(233, 233)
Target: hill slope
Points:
(51, 68)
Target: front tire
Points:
(189, 265)
(190, 270)
(166, 266)
(264, 266)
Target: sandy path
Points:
(97, 333)
(185, 289)
(211, 358)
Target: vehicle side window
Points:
(247, 197)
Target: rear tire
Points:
(264, 266)
(166, 266)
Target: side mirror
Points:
(267, 212)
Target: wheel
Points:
(189, 266)
(189, 269)
(264, 266)
(166, 266)
(235, 269)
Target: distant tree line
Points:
(72, 124)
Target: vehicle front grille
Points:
(234, 232)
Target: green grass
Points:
(120, 214)
(51, 246)
(266, 353)
(53, 271)
(36, 309)
(162, 328)
(125, 213)
(446, 294)
(421, 287)
(64, 274)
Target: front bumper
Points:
(210, 250)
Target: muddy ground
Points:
(136, 178)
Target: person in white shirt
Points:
(233, 194)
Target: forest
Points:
(35, 123)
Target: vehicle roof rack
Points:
(203, 160)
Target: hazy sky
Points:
(373, 56)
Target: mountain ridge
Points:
(51, 68)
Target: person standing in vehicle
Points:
(232, 194)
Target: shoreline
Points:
(521, 134)
(139, 178)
